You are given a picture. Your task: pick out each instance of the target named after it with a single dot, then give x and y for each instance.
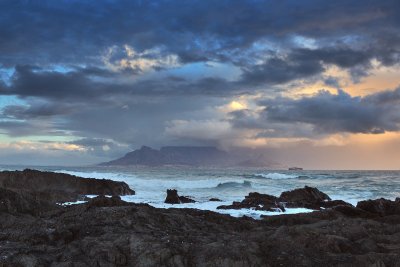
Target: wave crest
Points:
(233, 185)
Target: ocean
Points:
(233, 184)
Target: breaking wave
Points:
(233, 185)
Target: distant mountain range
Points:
(185, 155)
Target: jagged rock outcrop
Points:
(382, 207)
(307, 197)
(258, 202)
(59, 187)
(174, 198)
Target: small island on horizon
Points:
(295, 169)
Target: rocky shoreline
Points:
(35, 231)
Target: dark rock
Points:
(382, 207)
(60, 187)
(174, 198)
(186, 199)
(350, 211)
(257, 201)
(110, 232)
(23, 202)
(307, 197)
(103, 201)
(215, 199)
(334, 203)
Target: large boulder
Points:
(382, 207)
(174, 198)
(60, 187)
(307, 197)
(256, 201)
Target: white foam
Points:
(277, 176)
(162, 183)
(208, 206)
(212, 206)
(71, 203)
(183, 183)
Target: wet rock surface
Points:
(59, 187)
(380, 206)
(258, 202)
(307, 197)
(174, 198)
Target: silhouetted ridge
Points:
(173, 155)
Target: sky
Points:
(307, 83)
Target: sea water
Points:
(233, 184)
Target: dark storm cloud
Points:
(76, 31)
(342, 57)
(33, 81)
(332, 81)
(278, 71)
(35, 110)
(99, 85)
(83, 83)
(304, 63)
(100, 69)
(327, 113)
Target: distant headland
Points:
(187, 156)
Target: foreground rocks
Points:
(307, 197)
(106, 231)
(110, 232)
(174, 198)
(59, 187)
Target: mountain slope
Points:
(176, 155)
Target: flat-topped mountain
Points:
(174, 155)
(189, 155)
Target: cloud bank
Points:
(109, 76)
